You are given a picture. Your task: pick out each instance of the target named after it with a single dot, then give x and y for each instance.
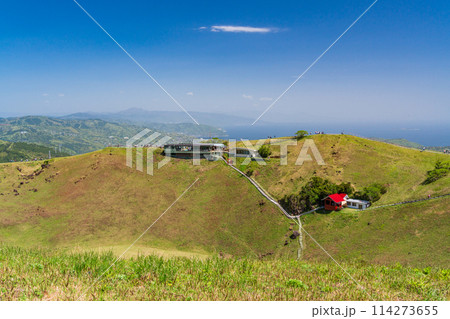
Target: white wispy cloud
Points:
(265, 99)
(236, 28)
(44, 94)
(190, 93)
(248, 97)
(61, 94)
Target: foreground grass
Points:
(37, 274)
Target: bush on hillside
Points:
(440, 170)
(346, 188)
(264, 151)
(249, 171)
(372, 192)
(300, 134)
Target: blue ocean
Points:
(426, 135)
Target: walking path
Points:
(407, 202)
(266, 194)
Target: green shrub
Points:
(372, 192)
(264, 151)
(300, 134)
(440, 170)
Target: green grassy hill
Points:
(415, 234)
(93, 201)
(358, 161)
(16, 152)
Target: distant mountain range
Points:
(76, 136)
(84, 132)
(144, 117)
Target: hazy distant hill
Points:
(74, 136)
(10, 151)
(141, 116)
(406, 143)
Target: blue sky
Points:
(392, 66)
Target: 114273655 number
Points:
(380, 310)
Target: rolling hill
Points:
(411, 234)
(356, 160)
(64, 221)
(94, 201)
(167, 121)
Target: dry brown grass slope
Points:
(94, 200)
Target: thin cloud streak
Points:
(238, 29)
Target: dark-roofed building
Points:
(210, 151)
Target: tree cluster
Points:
(317, 188)
(312, 193)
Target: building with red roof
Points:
(335, 201)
